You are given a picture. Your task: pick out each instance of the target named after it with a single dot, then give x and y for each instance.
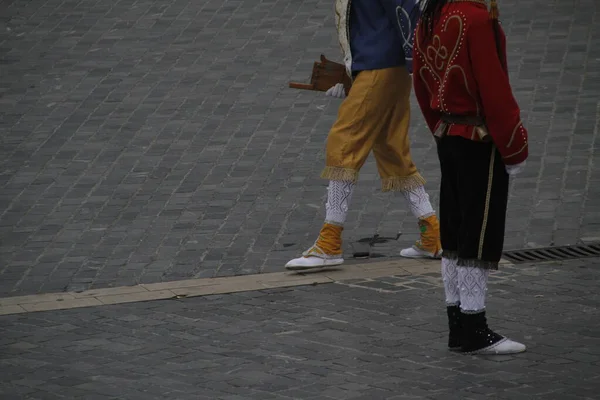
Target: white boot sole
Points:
(503, 347)
(414, 253)
(300, 264)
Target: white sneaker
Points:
(416, 252)
(314, 258)
(504, 346)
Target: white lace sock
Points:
(472, 283)
(418, 202)
(339, 194)
(450, 278)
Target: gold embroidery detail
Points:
(458, 37)
(426, 68)
(424, 57)
(464, 75)
(437, 52)
(517, 152)
(513, 134)
(440, 53)
(486, 210)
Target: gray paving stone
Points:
(127, 129)
(344, 340)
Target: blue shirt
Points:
(376, 38)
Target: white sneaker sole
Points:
(411, 252)
(503, 347)
(301, 264)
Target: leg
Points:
(357, 126)
(348, 145)
(450, 279)
(477, 337)
(428, 245)
(450, 216)
(394, 161)
(449, 227)
(327, 250)
(483, 195)
(392, 145)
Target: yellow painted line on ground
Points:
(210, 286)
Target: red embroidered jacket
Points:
(457, 71)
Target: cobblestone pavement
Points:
(375, 339)
(151, 140)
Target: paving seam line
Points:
(211, 286)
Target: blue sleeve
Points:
(405, 15)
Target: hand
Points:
(512, 170)
(336, 91)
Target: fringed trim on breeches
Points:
(474, 263)
(394, 183)
(339, 174)
(400, 183)
(469, 262)
(450, 254)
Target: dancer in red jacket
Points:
(462, 86)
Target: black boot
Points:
(477, 338)
(455, 326)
